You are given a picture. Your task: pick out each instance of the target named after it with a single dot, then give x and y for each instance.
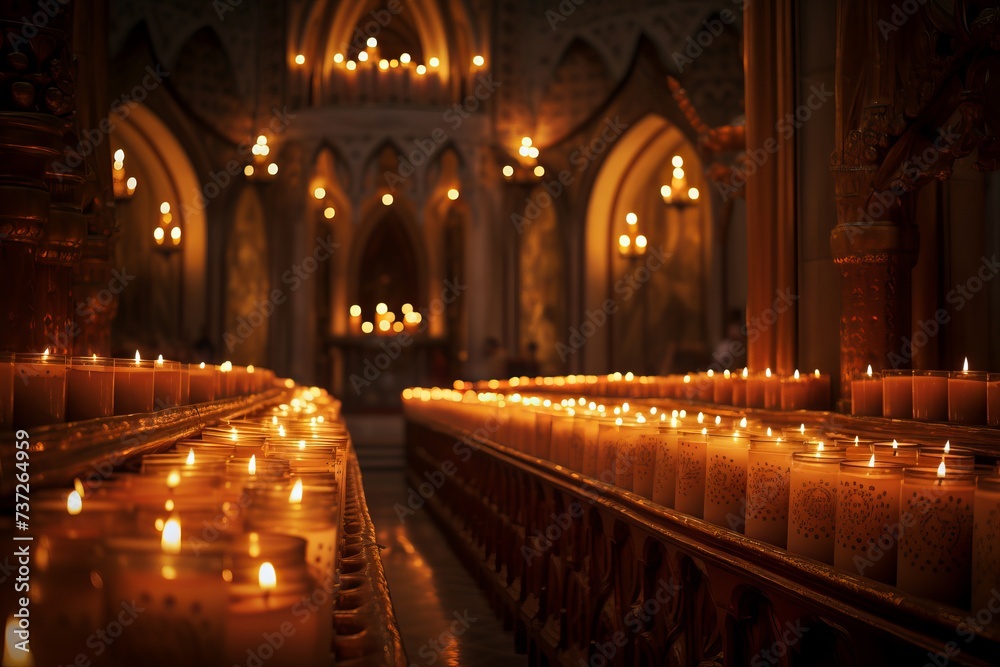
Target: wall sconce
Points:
(122, 183)
(168, 232)
(260, 167)
(632, 245)
(678, 193)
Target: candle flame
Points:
(296, 494)
(266, 577)
(202, 365)
(639, 419)
(947, 446)
(94, 357)
(802, 428)
(769, 431)
(965, 366)
(856, 441)
(819, 447)
(746, 372)
(170, 542)
(74, 503)
(895, 445)
(871, 461)
(252, 466)
(78, 487)
(302, 444)
(869, 370)
(281, 431)
(941, 468)
(767, 372)
(159, 360)
(718, 419)
(173, 479)
(274, 420)
(796, 374)
(743, 423)
(701, 417)
(169, 505)
(704, 431)
(710, 373)
(190, 458)
(137, 359)
(46, 352)
(234, 434)
(816, 372)
(726, 374)
(618, 421)
(625, 407)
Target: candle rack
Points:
(583, 569)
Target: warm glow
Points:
(119, 155)
(743, 423)
(351, 65)
(965, 366)
(384, 325)
(538, 171)
(816, 372)
(746, 371)
(941, 468)
(136, 356)
(381, 309)
(131, 183)
(158, 234)
(478, 61)
(74, 503)
(383, 64)
(363, 56)
(175, 235)
(190, 458)
(165, 208)
(159, 360)
(869, 370)
(300, 59)
(508, 170)
(173, 479)
(355, 310)
(452, 194)
(329, 212)
(406, 308)
(367, 327)
(769, 431)
(371, 43)
(819, 447)
(266, 577)
(319, 193)
(296, 494)
(624, 241)
(677, 161)
(871, 461)
(631, 218)
(895, 445)
(421, 69)
(397, 327)
(170, 542)
(796, 374)
(338, 58)
(947, 446)
(387, 199)
(666, 192)
(640, 241)
(678, 173)
(433, 61)
(533, 152)
(767, 372)
(248, 170)
(405, 58)
(252, 466)
(272, 169)
(693, 193)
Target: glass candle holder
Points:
(739, 390)
(134, 379)
(689, 489)
(202, 383)
(643, 439)
(900, 452)
(755, 388)
(935, 548)
(954, 458)
(772, 392)
(39, 390)
(795, 393)
(930, 395)
(769, 467)
(986, 542)
(184, 600)
(812, 503)
(90, 388)
(967, 397)
(562, 438)
(866, 395)
(665, 464)
(897, 394)
(857, 449)
(726, 480)
(166, 384)
(6, 391)
(819, 391)
(543, 433)
(868, 528)
(722, 389)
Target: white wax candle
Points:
(868, 519)
(768, 472)
(689, 494)
(812, 503)
(726, 480)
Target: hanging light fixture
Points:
(632, 244)
(167, 233)
(678, 193)
(123, 184)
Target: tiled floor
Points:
(443, 616)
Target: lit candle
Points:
(202, 383)
(857, 449)
(562, 438)
(967, 396)
(930, 395)
(935, 549)
(39, 389)
(689, 490)
(954, 458)
(740, 388)
(866, 395)
(900, 452)
(583, 455)
(795, 393)
(133, 385)
(355, 322)
(224, 387)
(90, 388)
(665, 463)
(644, 437)
(897, 394)
(868, 524)
(986, 542)
(166, 384)
(726, 480)
(812, 503)
(756, 389)
(722, 390)
(772, 391)
(768, 476)
(819, 391)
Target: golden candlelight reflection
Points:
(190, 458)
(252, 466)
(941, 469)
(296, 494)
(871, 461)
(137, 358)
(947, 446)
(267, 578)
(170, 542)
(74, 503)
(173, 479)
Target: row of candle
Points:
(895, 512)
(39, 389)
(766, 390)
(215, 547)
(964, 397)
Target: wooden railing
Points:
(588, 574)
